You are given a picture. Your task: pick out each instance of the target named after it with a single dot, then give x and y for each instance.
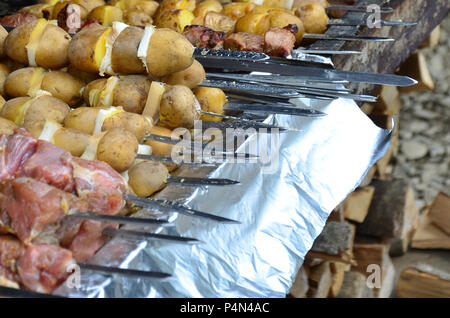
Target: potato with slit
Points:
(237, 10)
(53, 47)
(4, 72)
(7, 127)
(134, 123)
(211, 100)
(168, 52)
(131, 93)
(14, 109)
(314, 17)
(17, 40)
(147, 177)
(82, 118)
(207, 6)
(125, 51)
(106, 15)
(176, 20)
(178, 108)
(257, 23)
(3, 35)
(190, 77)
(118, 148)
(64, 86)
(282, 19)
(41, 109)
(22, 81)
(219, 22)
(72, 140)
(88, 48)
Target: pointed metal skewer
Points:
(170, 206)
(340, 22)
(106, 270)
(118, 219)
(146, 236)
(284, 110)
(328, 52)
(357, 8)
(201, 181)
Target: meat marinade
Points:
(40, 184)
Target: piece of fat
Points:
(36, 81)
(143, 45)
(154, 97)
(50, 128)
(34, 42)
(106, 95)
(102, 115)
(106, 65)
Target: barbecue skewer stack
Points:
(78, 187)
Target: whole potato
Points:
(237, 10)
(17, 40)
(257, 23)
(147, 177)
(41, 109)
(53, 47)
(4, 72)
(88, 48)
(134, 123)
(82, 118)
(7, 127)
(92, 91)
(178, 108)
(190, 77)
(314, 17)
(136, 17)
(125, 50)
(207, 6)
(22, 81)
(72, 140)
(282, 19)
(176, 20)
(211, 100)
(168, 52)
(3, 35)
(219, 22)
(14, 109)
(131, 92)
(106, 15)
(64, 86)
(118, 148)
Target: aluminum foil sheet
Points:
(282, 207)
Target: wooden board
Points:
(357, 204)
(320, 281)
(414, 283)
(429, 236)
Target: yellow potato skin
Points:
(18, 83)
(176, 20)
(118, 148)
(211, 100)
(82, 118)
(131, 93)
(314, 17)
(167, 5)
(207, 6)
(53, 47)
(134, 123)
(42, 109)
(106, 14)
(7, 127)
(64, 86)
(168, 52)
(4, 72)
(257, 23)
(178, 108)
(237, 10)
(147, 177)
(82, 48)
(16, 41)
(281, 19)
(11, 110)
(124, 53)
(190, 77)
(72, 140)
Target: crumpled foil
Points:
(281, 213)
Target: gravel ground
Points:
(424, 128)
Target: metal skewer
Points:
(170, 206)
(339, 37)
(106, 270)
(117, 219)
(146, 236)
(357, 8)
(23, 293)
(395, 23)
(268, 109)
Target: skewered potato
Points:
(106, 15)
(38, 43)
(3, 35)
(32, 113)
(211, 100)
(138, 125)
(124, 57)
(190, 77)
(207, 6)
(146, 177)
(314, 17)
(7, 127)
(237, 10)
(160, 148)
(72, 140)
(82, 118)
(178, 108)
(122, 155)
(27, 81)
(282, 19)
(4, 72)
(130, 92)
(257, 23)
(176, 20)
